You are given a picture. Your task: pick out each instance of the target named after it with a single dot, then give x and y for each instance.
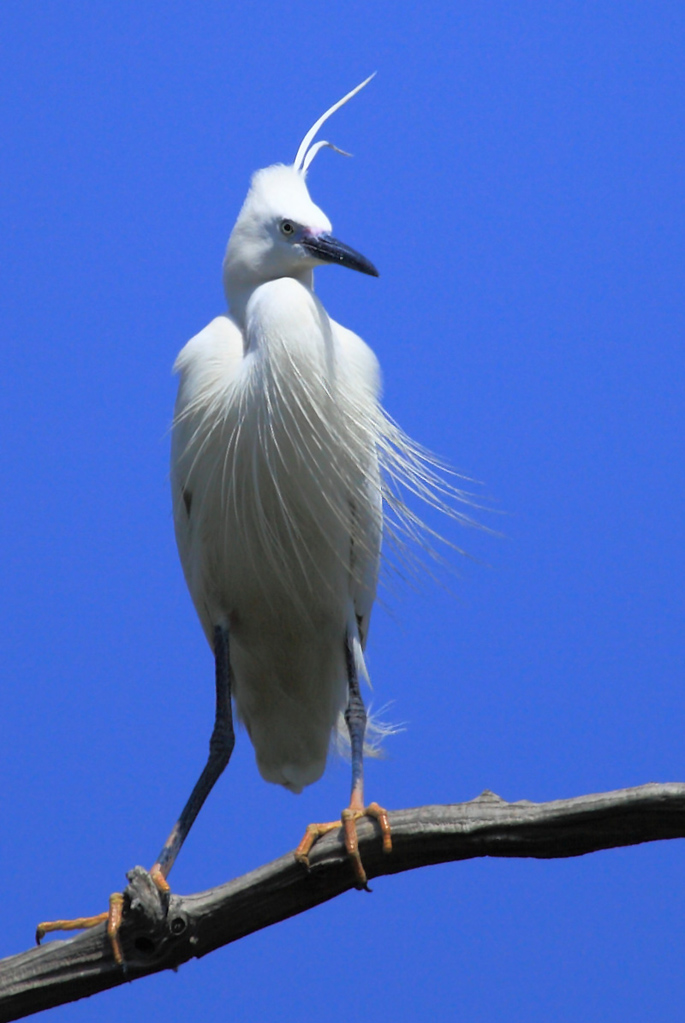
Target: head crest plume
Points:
(305, 154)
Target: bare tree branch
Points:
(156, 936)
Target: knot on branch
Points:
(488, 796)
(154, 923)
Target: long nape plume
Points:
(303, 159)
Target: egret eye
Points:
(287, 228)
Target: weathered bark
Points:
(156, 936)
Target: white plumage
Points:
(279, 448)
(277, 509)
(276, 487)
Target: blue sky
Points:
(518, 181)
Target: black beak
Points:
(330, 250)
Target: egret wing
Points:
(364, 385)
(208, 367)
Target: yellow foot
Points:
(113, 917)
(349, 819)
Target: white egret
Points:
(277, 496)
(281, 458)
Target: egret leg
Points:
(355, 719)
(221, 746)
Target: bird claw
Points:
(159, 880)
(313, 832)
(113, 917)
(349, 818)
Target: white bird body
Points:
(279, 443)
(277, 508)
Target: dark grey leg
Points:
(355, 719)
(220, 748)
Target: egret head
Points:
(280, 232)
